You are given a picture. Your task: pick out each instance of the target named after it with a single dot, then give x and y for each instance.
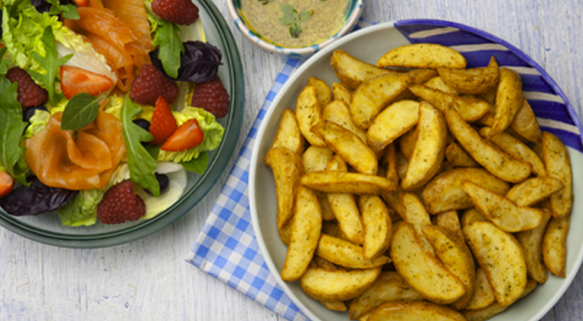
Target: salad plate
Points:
(47, 228)
(551, 107)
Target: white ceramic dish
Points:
(550, 105)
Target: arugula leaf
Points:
(11, 129)
(140, 162)
(80, 111)
(51, 64)
(153, 150)
(171, 47)
(197, 165)
(69, 11)
(4, 63)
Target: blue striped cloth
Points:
(227, 248)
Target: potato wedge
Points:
(445, 193)
(334, 305)
(439, 84)
(355, 183)
(407, 142)
(420, 76)
(393, 199)
(414, 311)
(322, 90)
(390, 161)
(338, 112)
(416, 215)
(531, 242)
(325, 264)
(501, 257)
(534, 190)
(346, 144)
(339, 285)
(285, 231)
(378, 227)
(429, 148)
(341, 92)
(495, 161)
(288, 133)
(346, 254)
(525, 123)
(352, 71)
(316, 158)
(470, 216)
(391, 123)
(501, 211)
(509, 99)
(483, 294)
(471, 81)
(456, 257)
(389, 287)
(554, 248)
(304, 236)
(494, 309)
(287, 171)
(470, 109)
(372, 96)
(558, 166)
(423, 55)
(458, 157)
(516, 149)
(308, 114)
(451, 222)
(421, 269)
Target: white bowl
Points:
(351, 20)
(369, 44)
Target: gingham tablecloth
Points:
(227, 248)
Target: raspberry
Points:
(150, 84)
(163, 123)
(120, 205)
(212, 97)
(182, 12)
(29, 93)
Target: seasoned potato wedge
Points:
(346, 254)
(288, 133)
(483, 294)
(308, 114)
(389, 287)
(470, 109)
(287, 171)
(492, 310)
(416, 215)
(458, 157)
(355, 183)
(501, 257)
(451, 222)
(337, 112)
(414, 311)
(346, 144)
(439, 84)
(323, 263)
(391, 123)
(407, 142)
(445, 193)
(391, 160)
(495, 161)
(394, 201)
(304, 235)
(558, 166)
(554, 248)
(534, 190)
(421, 269)
(509, 99)
(470, 216)
(378, 227)
(516, 149)
(423, 55)
(322, 90)
(456, 257)
(370, 98)
(352, 71)
(338, 285)
(501, 211)
(334, 305)
(285, 231)
(429, 148)
(471, 81)
(316, 158)
(525, 123)
(341, 92)
(531, 242)
(420, 76)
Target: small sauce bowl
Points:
(352, 16)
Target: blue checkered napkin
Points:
(227, 248)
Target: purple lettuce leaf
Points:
(35, 199)
(199, 63)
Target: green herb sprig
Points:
(292, 18)
(171, 47)
(265, 1)
(69, 11)
(80, 111)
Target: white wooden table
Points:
(149, 279)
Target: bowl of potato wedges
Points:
(403, 175)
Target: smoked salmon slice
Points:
(133, 14)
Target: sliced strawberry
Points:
(6, 184)
(81, 3)
(163, 123)
(76, 80)
(187, 136)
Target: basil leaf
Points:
(286, 20)
(197, 165)
(171, 47)
(140, 162)
(304, 16)
(11, 129)
(70, 12)
(287, 10)
(80, 111)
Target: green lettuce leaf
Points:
(11, 129)
(82, 209)
(38, 123)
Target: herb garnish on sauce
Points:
(292, 18)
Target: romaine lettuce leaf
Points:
(38, 123)
(82, 209)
